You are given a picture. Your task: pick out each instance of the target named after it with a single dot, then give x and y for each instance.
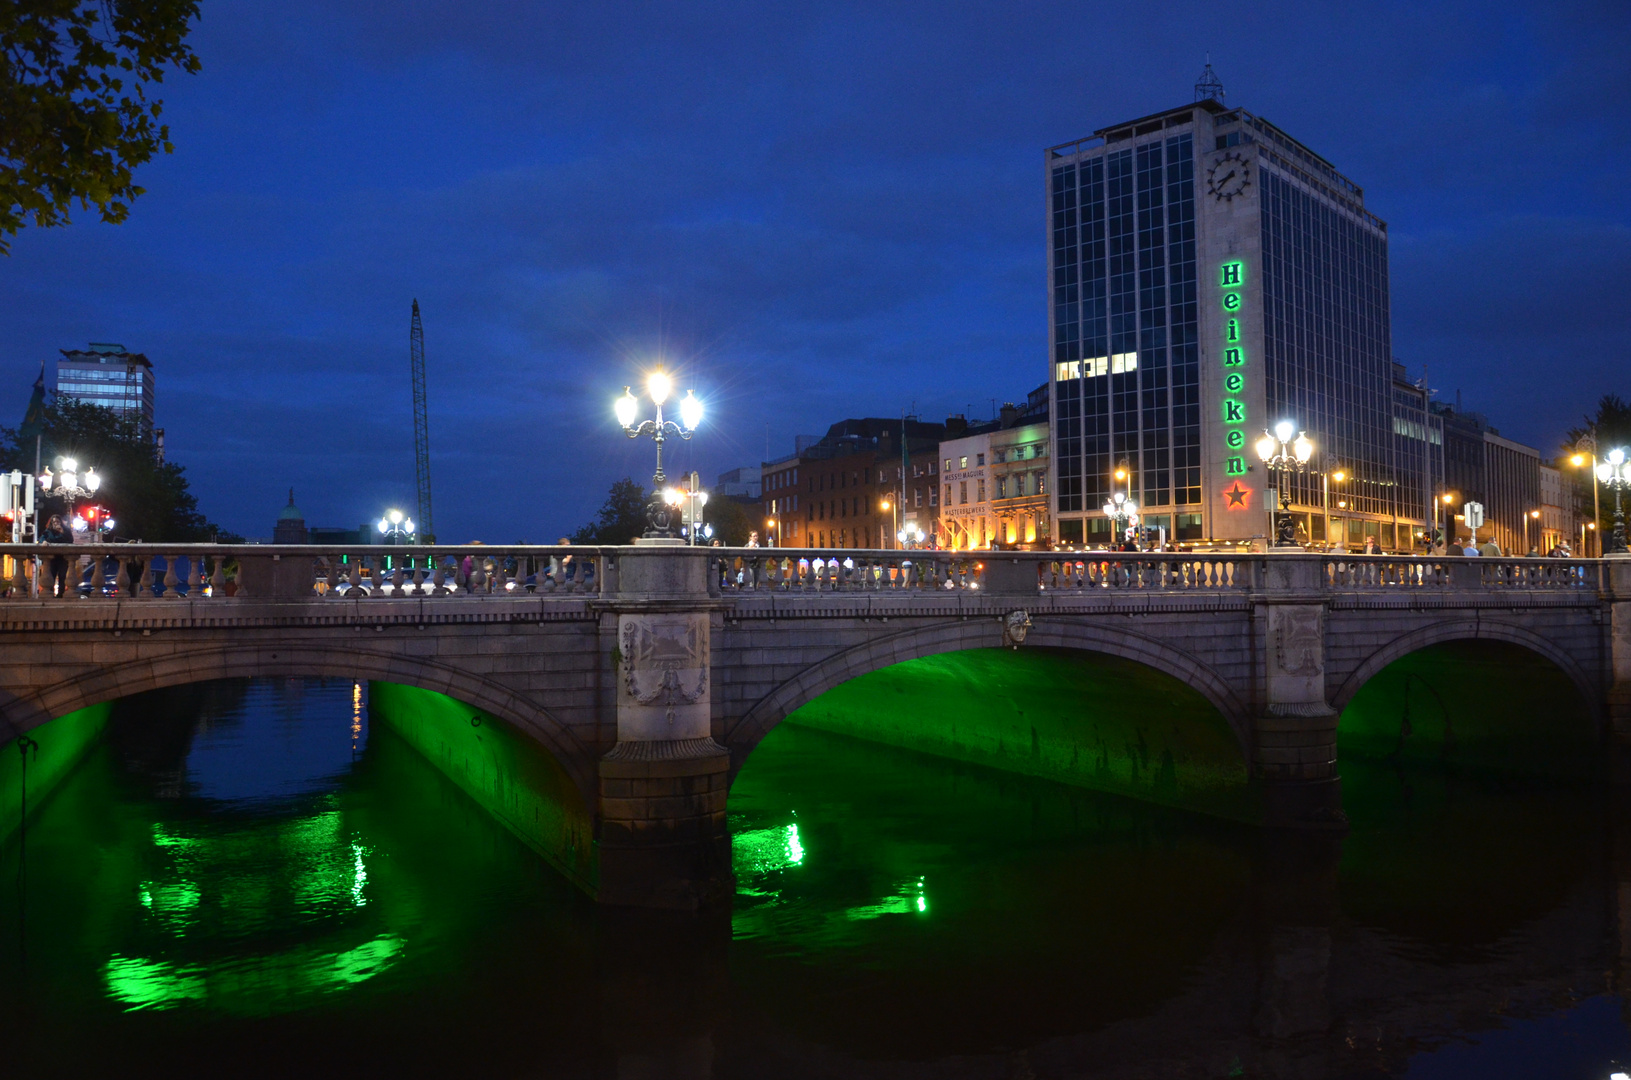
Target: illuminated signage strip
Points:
(1231, 279)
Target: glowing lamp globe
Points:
(626, 407)
(1284, 430)
(690, 410)
(1266, 446)
(1303, 448)
(658, 385)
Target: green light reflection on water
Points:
(241, 983)
(909, 897)
(757, 853)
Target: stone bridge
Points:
(649, 673)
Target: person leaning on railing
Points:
(56, 532)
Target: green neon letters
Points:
(1234, 382)
(1231, 279)
(1231, 331)
(1233, 411)
(1231, 301)
(1230, 275)
(1234, 466)
(1233, 357)
(1235, 439)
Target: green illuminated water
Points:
(247, 877)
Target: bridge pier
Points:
(1295, 731)
(1617, 700)
(662, 787)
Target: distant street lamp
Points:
(894, 518)
(658, 386)
(396, 528)
(1329, 475)
(1283, 454)
(1615, 472)
(910, 538)
(1123, 514)
(1531, 515)
(1586, 450)
(69, 484)
(1447, 499)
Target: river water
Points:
(242, 878)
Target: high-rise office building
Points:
(1208, 276)
(108, 375)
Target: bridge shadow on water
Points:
(251, 875)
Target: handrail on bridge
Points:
(377, 571)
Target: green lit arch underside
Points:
(1470, 629)
(24, 712)
(985, 633)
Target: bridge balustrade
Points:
(295, 572)
(290, 572)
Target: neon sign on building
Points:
(1231, 282)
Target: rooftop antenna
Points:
(421, 426)
(1209, 87)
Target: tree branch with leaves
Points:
(76, 112)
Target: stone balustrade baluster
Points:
(332, 566)
(461, 580)
(418, 588)
(96, 577)
(19, 584)
(398, 578)
(501, 577)
(354, 579)
(438, 578)
(478, 575)
(195, 577)
(170, 579)
(218, 579)
(144, 583)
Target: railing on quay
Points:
(263, 571)
(324, 572)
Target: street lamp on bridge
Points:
(658, 386)
(69, 484)
(1284, 454)
(1614, 472)
(1123, 514)
(1586, 451)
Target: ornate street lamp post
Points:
(659, 510)
(1123, 515)
(68, 483)
(1283, 454)
(1614, 472)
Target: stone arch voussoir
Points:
(985, 633)
(31, 708)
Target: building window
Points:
(962, 492)
(917, 496)
(1041, 483)
(934, 495)
(948, 464)
(981, 490)
(1002, 488)
(962, 462)
(979, 459)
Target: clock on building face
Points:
(1228, 176)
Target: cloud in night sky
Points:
(815, 214)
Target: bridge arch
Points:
(1471, 630)
(24, 712)
(984, 633)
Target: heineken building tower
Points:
(1208, 276)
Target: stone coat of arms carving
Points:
(665, 661)
(1298, 639)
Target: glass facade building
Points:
(1209, 276)
(108, 375)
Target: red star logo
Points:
(1238, 496)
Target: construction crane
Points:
(421, 427)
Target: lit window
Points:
(979, 459)
(948, 464)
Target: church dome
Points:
(291, 512)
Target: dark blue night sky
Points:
(832, 212)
